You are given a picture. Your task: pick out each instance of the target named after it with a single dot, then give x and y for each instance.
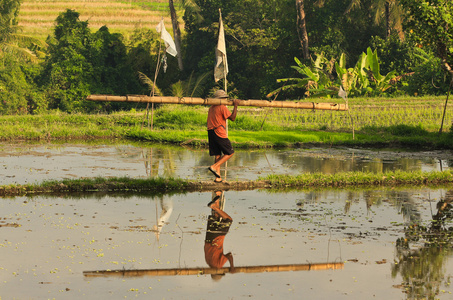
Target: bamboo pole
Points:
(215, 101)
(203, 271)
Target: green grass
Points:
(123, 184)
(344, 179)
(165, 185)
(414, 126)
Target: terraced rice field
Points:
(37, 17)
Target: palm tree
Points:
(302, 28)
(189, 6)
(176, 32)
(10, 39)
(389, 10)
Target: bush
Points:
(18, 94)
(429, 79)
(406, 130)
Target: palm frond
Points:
(177, 89)
(21, 53)
(145, 80)
(197, 88)
(192, 8)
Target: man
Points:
(219, 144)
(219, 223)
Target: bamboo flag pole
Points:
(154, 87)
(215, 101)
(221, 67)
(170, 48)
(203, 271)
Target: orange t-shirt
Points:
(217, 116)
(213, 253)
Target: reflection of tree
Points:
(408, 208)
(422, 269)
(332, 163)
(154, 157)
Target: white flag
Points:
(342, 93)
(221, 65)
(169, 43)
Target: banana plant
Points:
(365, 78)
(381, 83)
(355, 80)
(316, 79)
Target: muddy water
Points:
(48, 244)
(30, 163)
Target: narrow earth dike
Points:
(272, 182)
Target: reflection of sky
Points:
(34, 163)
(59, 238)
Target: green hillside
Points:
(37, 17)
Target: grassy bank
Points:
(380, 122)
(344, 179)
(166, 185)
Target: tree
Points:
(333, 32)
(18, 93)
(261, 41)
(11, 41)
(433, 21)
(67, 70)
(176, 33)
(388, 10)
(302, 28)
(80, 63)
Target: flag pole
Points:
(225, 85)
(169, 48)
(154, 83)
(153, 88)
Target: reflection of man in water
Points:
(219, 223)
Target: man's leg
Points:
(216, 207)
(219, 160)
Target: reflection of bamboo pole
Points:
(201, 271)
(215, 101)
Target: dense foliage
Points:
(80, 63)
(433, 21)
(348, 36)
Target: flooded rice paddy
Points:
(50, 246)
(31, 163)
(359, 244)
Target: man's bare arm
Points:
(235, 110)
(230, 260)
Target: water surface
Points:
(31, 163)
(47, 243)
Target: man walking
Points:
(219, 145)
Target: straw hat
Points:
(220, 94)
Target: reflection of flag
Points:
(169, 43)
(221, 65)
(342, 93)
